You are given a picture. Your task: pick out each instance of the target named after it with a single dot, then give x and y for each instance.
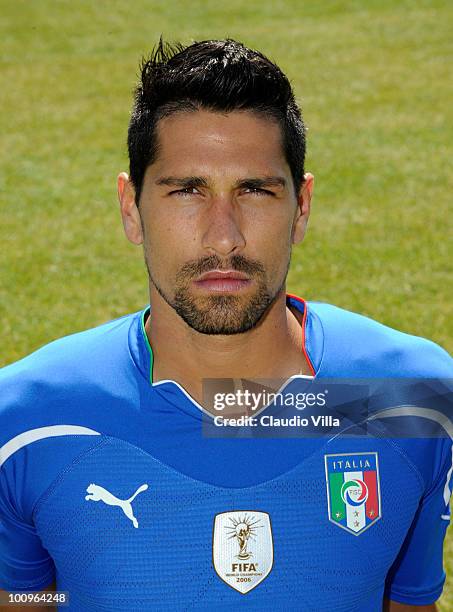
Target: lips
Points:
(222, 274)
(223, 281)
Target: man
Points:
(108, 484)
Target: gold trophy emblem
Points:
(243, 534)
(242, 530)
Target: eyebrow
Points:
(200, 181)
(260, 182)
(186, 181)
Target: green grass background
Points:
(374, 82)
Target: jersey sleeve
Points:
(417, 575)
(24, 564)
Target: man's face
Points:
(219, 215)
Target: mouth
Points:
(223, 281)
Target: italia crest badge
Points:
(353, 490)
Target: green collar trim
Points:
(150, 350)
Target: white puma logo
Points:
(97, 493)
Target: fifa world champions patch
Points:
(353, 490)
(242, 548)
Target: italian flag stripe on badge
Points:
(338, 507)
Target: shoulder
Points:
(60, 374)
(361, 346)
(75, 353)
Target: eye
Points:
(186, 191)
(258, 191)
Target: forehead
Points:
(238, 142)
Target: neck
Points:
(272, 349)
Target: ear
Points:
(129, 211)
(303, 208)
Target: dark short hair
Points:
(217, 75)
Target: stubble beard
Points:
(220, 314)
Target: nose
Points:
(223, 234)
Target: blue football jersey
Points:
(108, 485)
